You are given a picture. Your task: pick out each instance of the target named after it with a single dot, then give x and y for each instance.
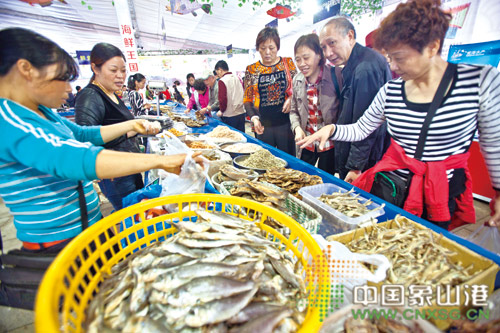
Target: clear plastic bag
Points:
(191, 179)
(486, 237)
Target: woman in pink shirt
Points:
(200, 97)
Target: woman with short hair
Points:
(268, 88)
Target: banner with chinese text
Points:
(127, 34)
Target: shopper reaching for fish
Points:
(47, 163)
(440, 188)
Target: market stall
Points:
(177, 258)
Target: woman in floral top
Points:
(268, 88)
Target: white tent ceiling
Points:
(75, 27)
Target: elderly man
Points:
(213, 103)
(364, 72)
(230, 97)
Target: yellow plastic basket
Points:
(76, 274)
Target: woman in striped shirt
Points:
(412, 36)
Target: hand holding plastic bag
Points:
(191, 178)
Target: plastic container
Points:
(300, 211)
(75, 275)
(237, 160)
(338, 221)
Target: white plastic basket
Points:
(338, 221)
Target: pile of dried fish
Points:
(199, 116)
(230, 173)
(242, 148)
(224, 134)
(415, 255)
(186, 120)
(347, 204)
(264, 194)
(467, 326)
(290, 179)
(216, 275)
(262, 159)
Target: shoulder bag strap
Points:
(436, 102)
(289, 88)
(335, 81)
(83, 206)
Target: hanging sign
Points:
(127, 35)
(83, 57)
(487, 53)
(229, 50)
(329, 8)
(273, 24)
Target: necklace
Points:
(111, 95)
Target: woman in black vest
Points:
(98, 104)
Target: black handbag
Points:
(389, 186)
(21, 272)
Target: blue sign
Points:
(487, 53)
(329, 8)
(273, 24)
(229, 50)
(83, 57)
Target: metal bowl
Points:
(233, 154)
(237, 160)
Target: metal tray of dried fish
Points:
(420, 256)
(339, 222)
(300, 211)
(230, 173)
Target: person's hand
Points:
(147, 106)
(187, 111)
(219, 114)
(299, 134)
(322, 136)
(204, 110)
(259, 129)
(174, 163)
(352, 175)
(287, 105)
(142, 126)
(494, 220)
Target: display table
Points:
(390, 210)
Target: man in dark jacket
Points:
(365, 72)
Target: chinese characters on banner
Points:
(127, 35)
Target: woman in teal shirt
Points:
(43, 156)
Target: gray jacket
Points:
(328, 101)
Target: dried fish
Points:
(347, 203)
(290, 179)
(415, 255)
(216, 275)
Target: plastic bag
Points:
(486, 237)
(191, 179)
(354, 273)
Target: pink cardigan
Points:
(203, 99)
